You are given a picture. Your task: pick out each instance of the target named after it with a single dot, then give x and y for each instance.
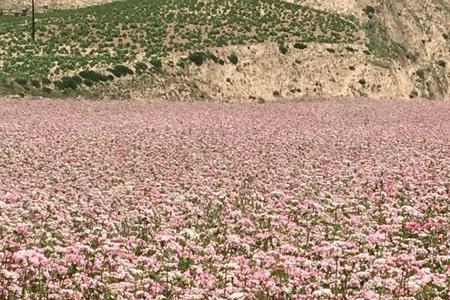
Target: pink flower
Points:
(414, 226)
(32, 256)
(206, 278)
(370, 295)
(11, 197)
(22, 229)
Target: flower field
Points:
(323, 199)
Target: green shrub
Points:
(21, 81)
(283, 49)
(233, 58)
(300, 46)
(369, 10)
(121, 70)
(140, 67)
(198, 58)
(67, 83)
(36, 83)
(88, 83)
(156, 63)
(77, 79)
(92, 76)
(441, 63)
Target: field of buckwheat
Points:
(333, 199)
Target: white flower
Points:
(237, 295)
(10, 275)
(414, 284)
(323, 293)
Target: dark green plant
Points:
(442, 63)
(92, 76)
(88, 83)
(140, 67)
(21, 81)
(156, 63)
(283, 48)
(198, 58)
(35, 83)
(67, 83)
(233, 58)
(300, 45)
(369, 10)
(121, 71)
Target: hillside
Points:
(232, 50)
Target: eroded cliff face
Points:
(417, 29)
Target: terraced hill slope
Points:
(243, 49)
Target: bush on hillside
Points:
(88, 83)
(92, 76)
(21, 81)
(283, 48)
(121, 71)
(233, 58)
(77, 79)
(68, 83)
(198, 58)
(441, 63)
(300, 46)
(369, 11)
(36, 83)
(156, 63)
(140, 67)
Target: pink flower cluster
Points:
(342, 199)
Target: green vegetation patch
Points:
(111, 35)
(382, 46)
